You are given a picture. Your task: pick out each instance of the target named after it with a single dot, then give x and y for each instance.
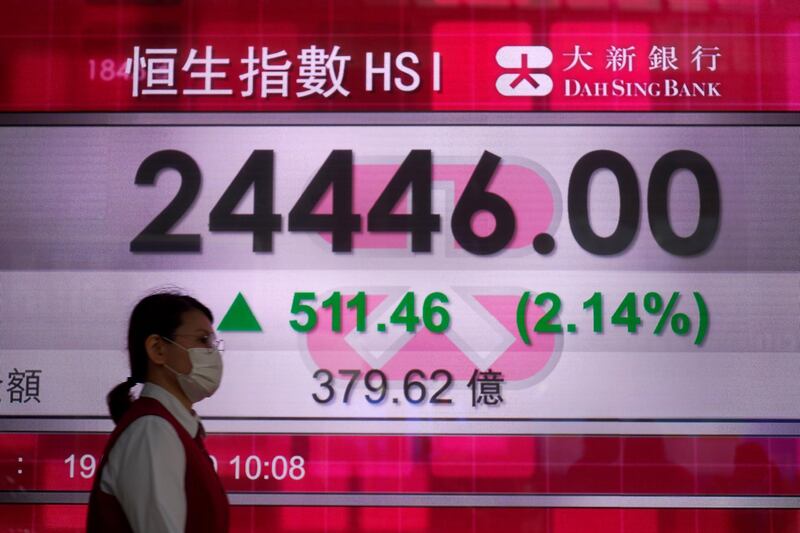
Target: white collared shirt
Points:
(146, 468)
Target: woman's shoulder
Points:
(148, 448)
(148, 431)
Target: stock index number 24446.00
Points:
(415, 175)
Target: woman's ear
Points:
(154, 345)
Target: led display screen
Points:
(469, 273)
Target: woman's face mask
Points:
(206, 374)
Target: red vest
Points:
(206, 502)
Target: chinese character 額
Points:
(25, 385)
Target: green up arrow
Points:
(239, 317)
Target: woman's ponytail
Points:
(119, 399)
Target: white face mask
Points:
(206, 374)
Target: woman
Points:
(155, 475)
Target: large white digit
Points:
(71, 462)
(88, 465)
(279, 472)
(297, 468)
(252, 468)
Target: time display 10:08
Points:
(414, 177)
(252, 467)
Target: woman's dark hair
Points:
(160, 314)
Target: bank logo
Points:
(523, 62)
